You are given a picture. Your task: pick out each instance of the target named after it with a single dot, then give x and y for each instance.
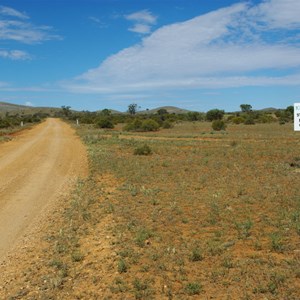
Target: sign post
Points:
(296, 116)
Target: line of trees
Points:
(249, 117)
(137, 121)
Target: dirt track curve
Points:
(35, 168)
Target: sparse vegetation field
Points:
(210, 215)
(206, 215)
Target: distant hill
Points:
(4, 107)
(169, 109)
(23, 109)
(269, 109)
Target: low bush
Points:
(249, 120)
(167, 125)
(237, 120)
(4, 123)
(196, 254)
(143, 150)
(218, 125)
(193, 288)
(122, 266)
(136, 125)
(149, 125)
(265, 118)
(145, 125)
(105, 123)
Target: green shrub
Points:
(142, 289)
(249, 120)
(193, 288)
(282, 121)
(167, 124)
(149, 125)
(105, 123)
(266, 118)
(4, 123)
(77, 256)
(136, 125)
(237, 120)
(214, 114)
(143, 150)
(122, 266)
(276, 242)
(142, 235)
(196, 254)
(218, 125)
(244, 228)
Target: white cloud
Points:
(224, 48)
(212, 82)
(95, 19)
(98, 22)
(15, 54)
(143, 16)
(8, 11)
(279, 13)
(35, 89)
(28, 103)
(25, 32)
(140, 28)
(16, 26)
(143, 20)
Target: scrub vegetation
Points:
(11, 123)
(144, 121)
(208, 215)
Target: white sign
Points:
(297, 116)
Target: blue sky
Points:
(194, 54)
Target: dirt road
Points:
(35, 169)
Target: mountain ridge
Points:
(6, 107)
